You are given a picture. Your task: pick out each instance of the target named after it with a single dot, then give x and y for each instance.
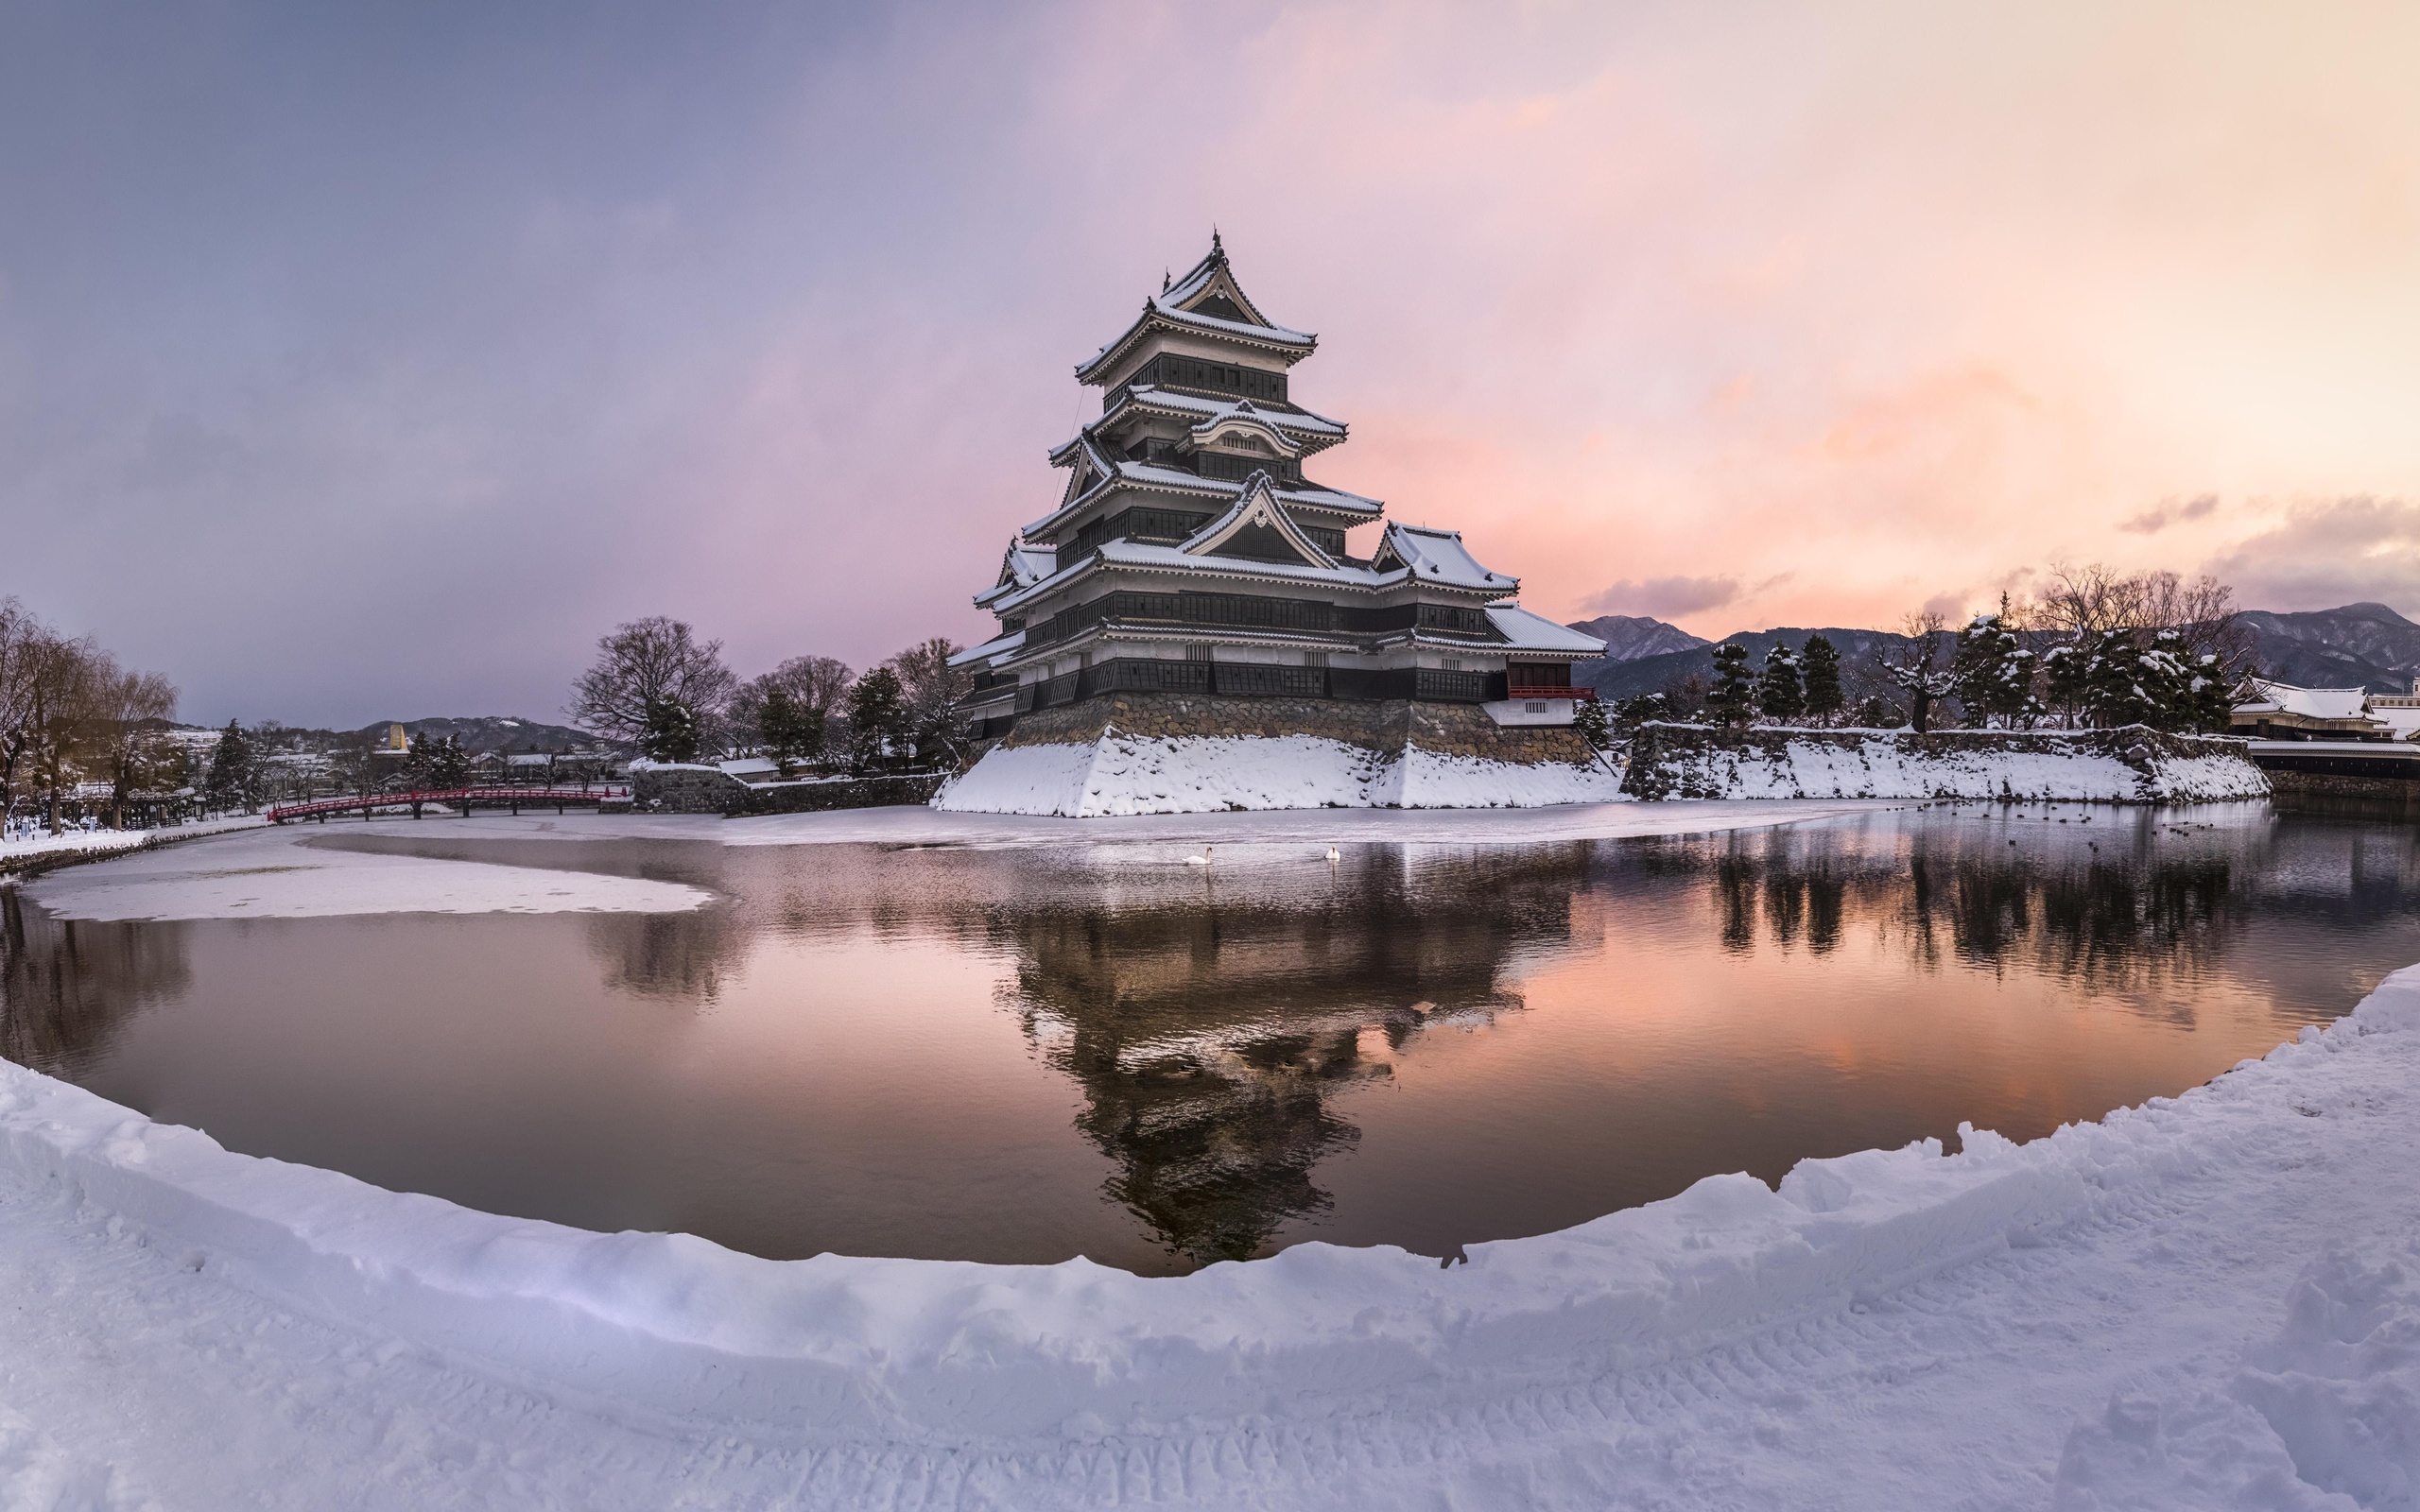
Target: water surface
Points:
(1024, 1054)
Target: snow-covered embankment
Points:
(2128, 765)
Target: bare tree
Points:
(645, 669)
(2091, 599)
(21, 637)
(932, 688)
(122, 738)
(1684, 696)
(813, 688)
(2202, 614)
(57, 713)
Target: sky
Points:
(371, 362)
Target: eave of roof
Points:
(1525, 631)
(1286, 417)
(1290, 345)
(1138, 557)
(1440, 556)
(997, 645)
(1168, 480)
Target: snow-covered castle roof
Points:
(1207, 300)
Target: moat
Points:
(1025, 1053)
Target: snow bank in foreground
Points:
(277, 874)
(1123, 774)
(2322, 1417)
(2131, 767)
(937, 1353)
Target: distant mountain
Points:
(494, 732)
(2360, 645)
(2364, 645)
(1862, 656)
(1629, 637)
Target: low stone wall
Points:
(2133, 764)
(1377, 725)
(852, 793)
(711, 790)
(684, 790)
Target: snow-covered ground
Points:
(2208, 1303)
(102, 841)
(1126, 774)
(274, 873)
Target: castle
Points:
(1192, 599)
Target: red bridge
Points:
(458, 798)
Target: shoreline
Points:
(16, 865)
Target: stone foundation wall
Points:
(857, 792)
(1464, 730)
(1384, 727)
(2400, 794)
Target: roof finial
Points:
(1216, 250)
(1164, 281)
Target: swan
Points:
(1333, 855)
(1202, 860)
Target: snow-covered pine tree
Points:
(1732, 700)
(1781, 693)
(1592, 724)
(2066, 677)
(672, 732)
(877, 718)
(449, 764)
(788, 731)
(1637, 710)
(2209, 702)
(1992, 674)
(234, 774)
(2130, 683)
(1819, 670)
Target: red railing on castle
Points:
(456, 798)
